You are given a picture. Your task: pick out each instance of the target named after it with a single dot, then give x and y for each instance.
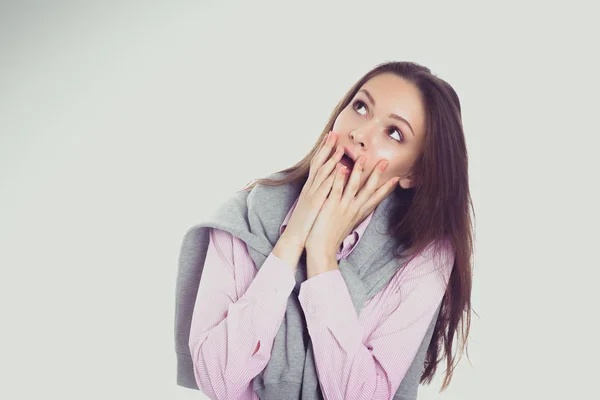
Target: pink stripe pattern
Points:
(239, 310)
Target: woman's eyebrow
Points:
(399, 118)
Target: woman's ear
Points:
(408, 182)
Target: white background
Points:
(123, 124)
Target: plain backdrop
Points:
(123, 124)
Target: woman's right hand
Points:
(314, 192)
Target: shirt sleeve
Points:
(231, 335)
(351, 367)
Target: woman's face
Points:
(372, 125)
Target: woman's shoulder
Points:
(441, 251)
(438, 255)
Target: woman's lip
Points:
(347, 151)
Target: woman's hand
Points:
(341, 212)
(314, 191)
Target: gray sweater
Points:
(255, 217)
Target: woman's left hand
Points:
(344, 208)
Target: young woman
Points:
(396, 141)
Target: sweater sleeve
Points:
(352, 367)
(237, 313)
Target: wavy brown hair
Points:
(437, 209)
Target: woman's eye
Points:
(394, 129)
(359, 104)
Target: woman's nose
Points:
(365, 132)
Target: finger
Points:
(324, 140)
(354, 181)
(325, 151)
(322, 143)
(329, 166)
(372, 183)
(338, 182)
(333, 161)
(319, 159)
(325, 187)
(384, 191)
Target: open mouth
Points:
(347, 162)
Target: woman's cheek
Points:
(339, 125)
(344, 122)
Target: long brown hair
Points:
(437, 208)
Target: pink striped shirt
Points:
(239, 310)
